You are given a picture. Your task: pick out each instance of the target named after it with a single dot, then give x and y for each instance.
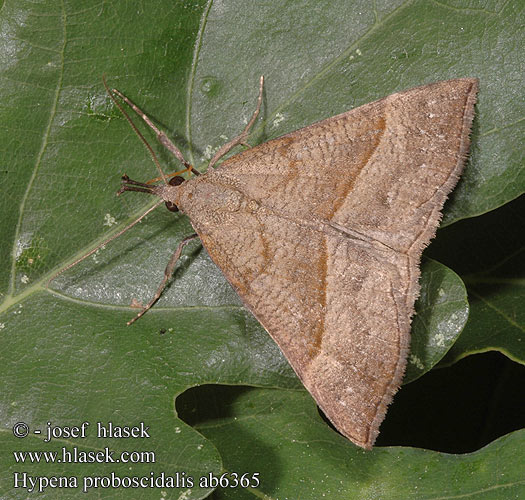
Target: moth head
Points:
(174, 181)
(168, 192)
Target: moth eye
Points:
(171, 206)
(176, 181)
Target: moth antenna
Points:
(161, 136)
(105, 242)
(241, 138)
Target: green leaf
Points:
(494, 279)
(442, 311)
(193, 66)
(279, 432)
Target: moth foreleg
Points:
(167, 274)
(241, 138)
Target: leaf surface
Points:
(67, 356)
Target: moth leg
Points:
(161, 136)
(241, 138)
(167, 274)
(173, 174)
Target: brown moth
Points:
(320, 232)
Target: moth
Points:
(320, 232)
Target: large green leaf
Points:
(279, 432)
(494, 279)
(193, 66)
